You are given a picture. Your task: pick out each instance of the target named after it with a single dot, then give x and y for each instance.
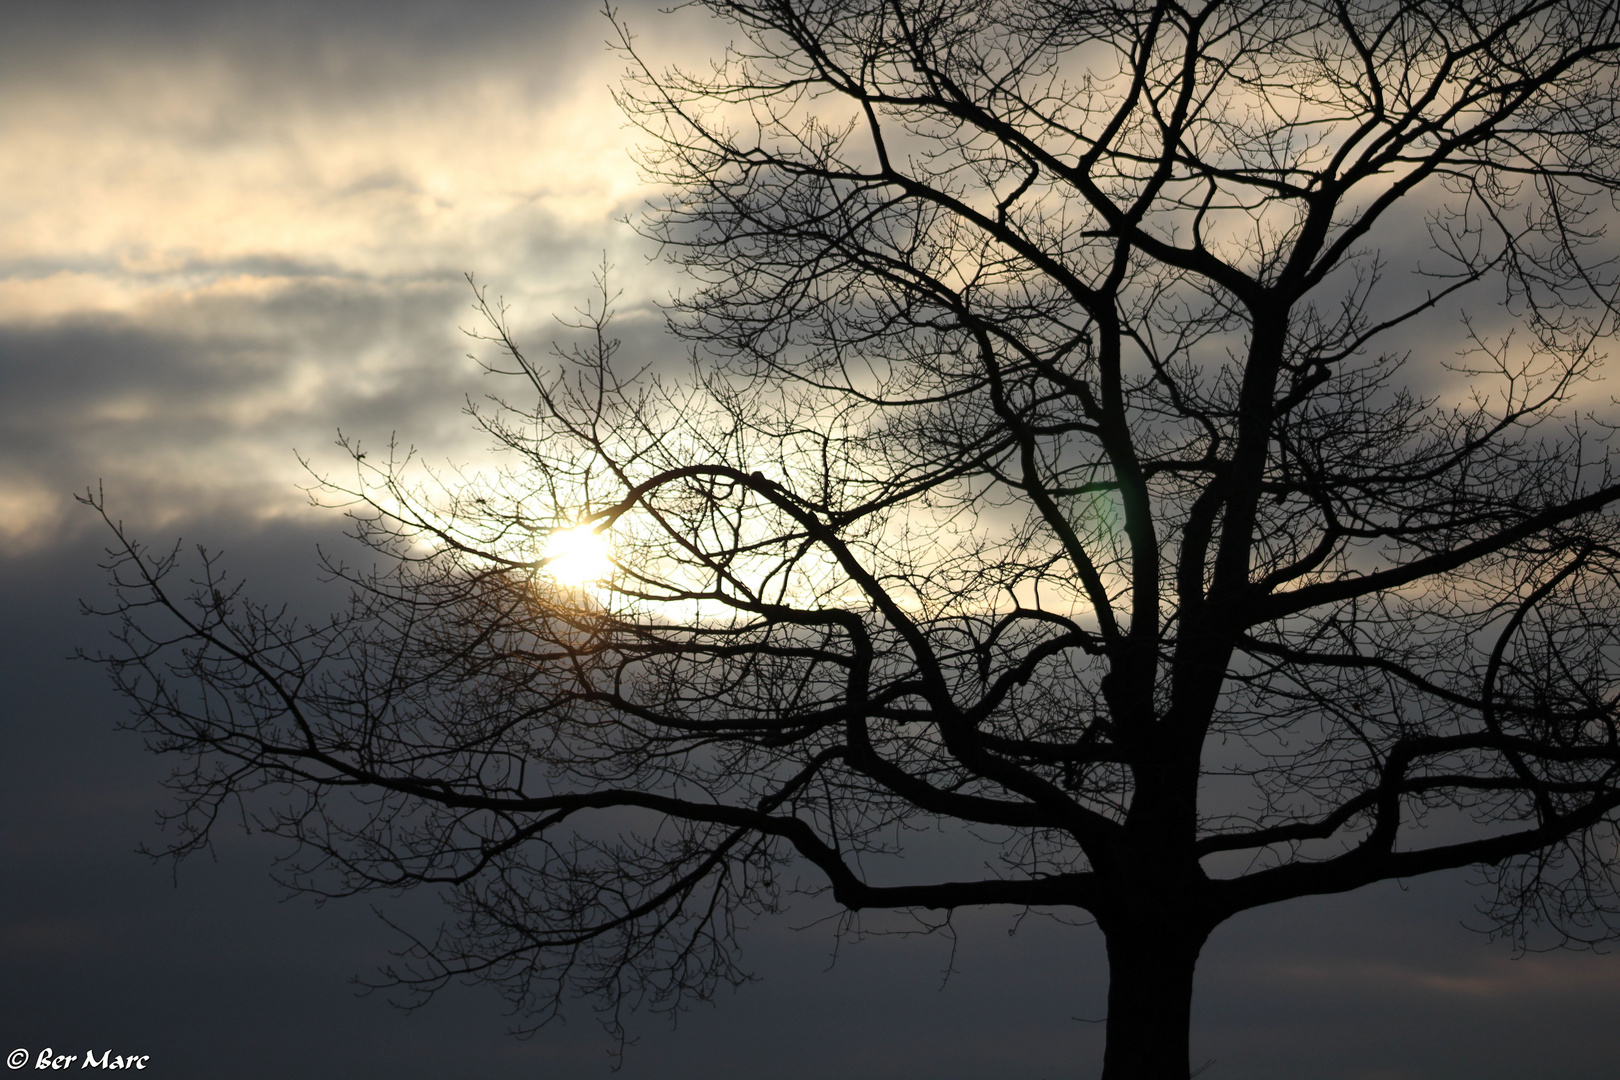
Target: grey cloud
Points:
(203, 403)
(295, 46)
(194, 358)
(205, 408)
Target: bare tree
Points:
(1082, 447)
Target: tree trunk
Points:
(1150, 983)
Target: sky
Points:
(230, 230)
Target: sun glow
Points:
(578, 556)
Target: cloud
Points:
(1488, 975)
(231, 229)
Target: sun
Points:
(577, 556)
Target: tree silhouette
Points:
(1083, 448)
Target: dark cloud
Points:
(215, 973)
(347, 47)
(207, 406)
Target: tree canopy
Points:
(1158, 438)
